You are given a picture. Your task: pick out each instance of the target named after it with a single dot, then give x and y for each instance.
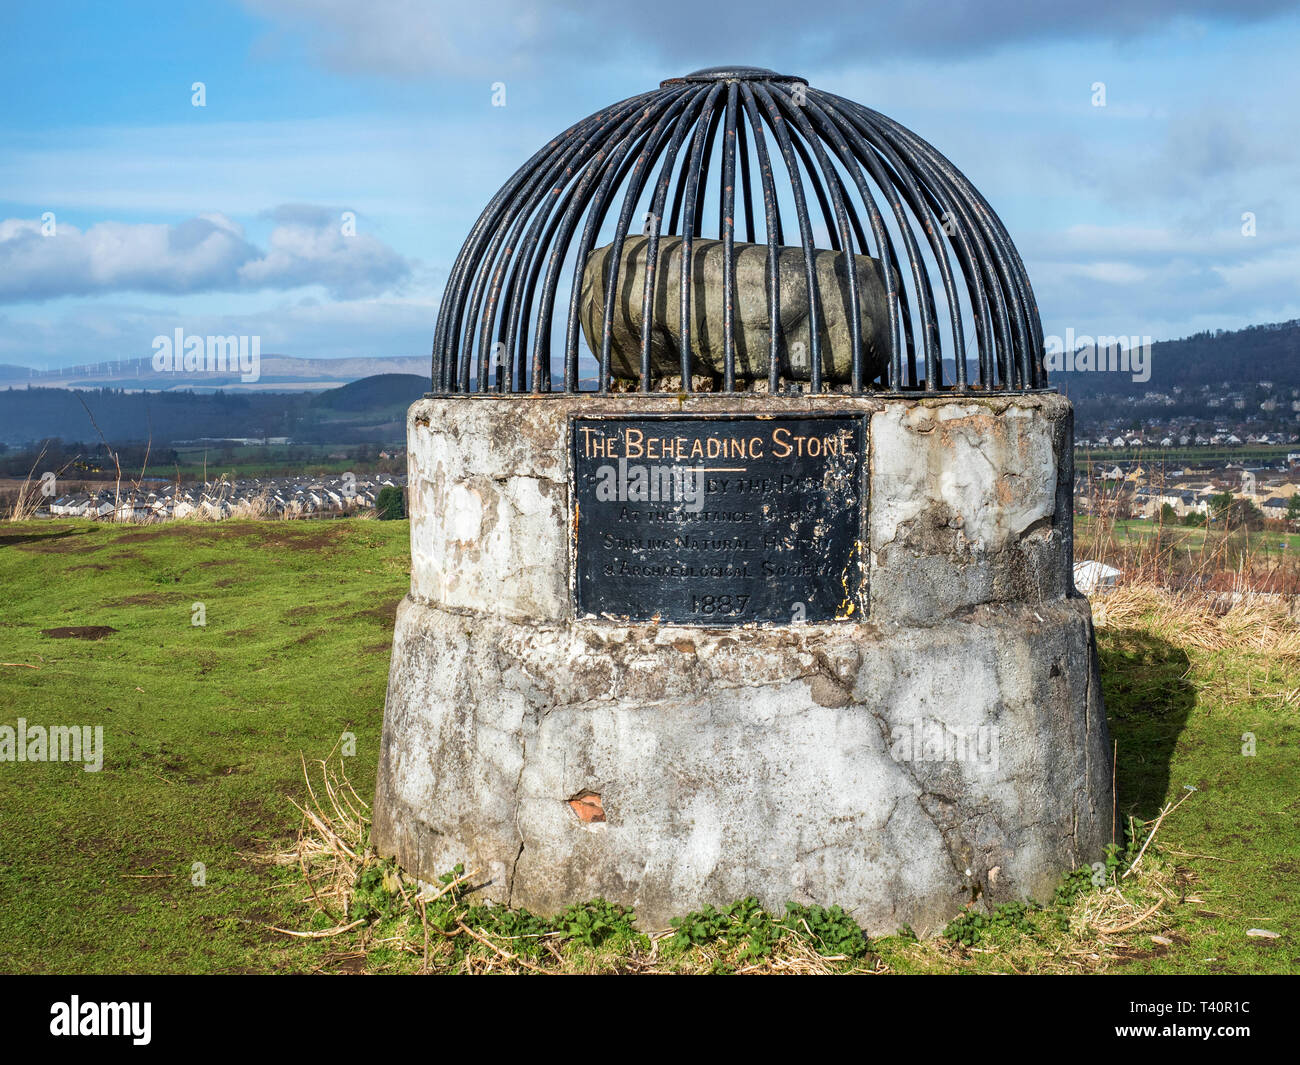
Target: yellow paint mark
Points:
(848, 606)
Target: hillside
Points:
(365, 411)
(1220, 361)
(36, 413)
(385, 391)
(280, 373)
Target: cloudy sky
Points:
(126, 211)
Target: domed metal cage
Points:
(892, 240)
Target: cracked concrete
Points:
(951, 746)
(718, 783)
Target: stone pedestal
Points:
(950, 744)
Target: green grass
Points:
(205, 728)
(1179, 715)
(1264, 545)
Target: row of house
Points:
(1147, 490)
(254, 497)
(1149, 438)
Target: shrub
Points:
(390, 504)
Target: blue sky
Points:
(226, 218)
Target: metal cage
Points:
(877, 189)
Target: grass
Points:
(203, 728)
(1225, 557)
(206, 730)
(1267, 543)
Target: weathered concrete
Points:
(971, 503)
(801, 762)
(752, 322)
(969, 500)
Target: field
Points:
(256, 460)
(1091, 534)
(1192, 557)
(1247, 454)
(203, 729)
(207, 727)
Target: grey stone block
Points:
(806, 762)
(899, 772)
(753, 329)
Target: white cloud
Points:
(309, 328)
(301, 254)
(208, 253)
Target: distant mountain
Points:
(370, 410)
(382, 392)
(278, 373)
(364, 399)
(1240, 358)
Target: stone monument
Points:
(768, 592)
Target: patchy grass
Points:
(1188, 688)
(206, 727)
(203, 729)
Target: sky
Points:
(342, 150)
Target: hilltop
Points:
(385, 391)
(1192, 377)
(282, 373)
(371, 409)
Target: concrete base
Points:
(802, 764)
(951, 747)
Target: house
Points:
(1090, 576)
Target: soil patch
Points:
(79, 632)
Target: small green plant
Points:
(970, 926)
(377, 893)
(747, 928)
(744, 926)
(593, 923)
(699, 928)
(831, 931)
(524, 930)
(1073, 884)
(1107, 871)
(590, 924)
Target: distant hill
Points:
(278, 373)
(1223, 360)
(380, 392)
(371, 410)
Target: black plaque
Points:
(719, 520)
